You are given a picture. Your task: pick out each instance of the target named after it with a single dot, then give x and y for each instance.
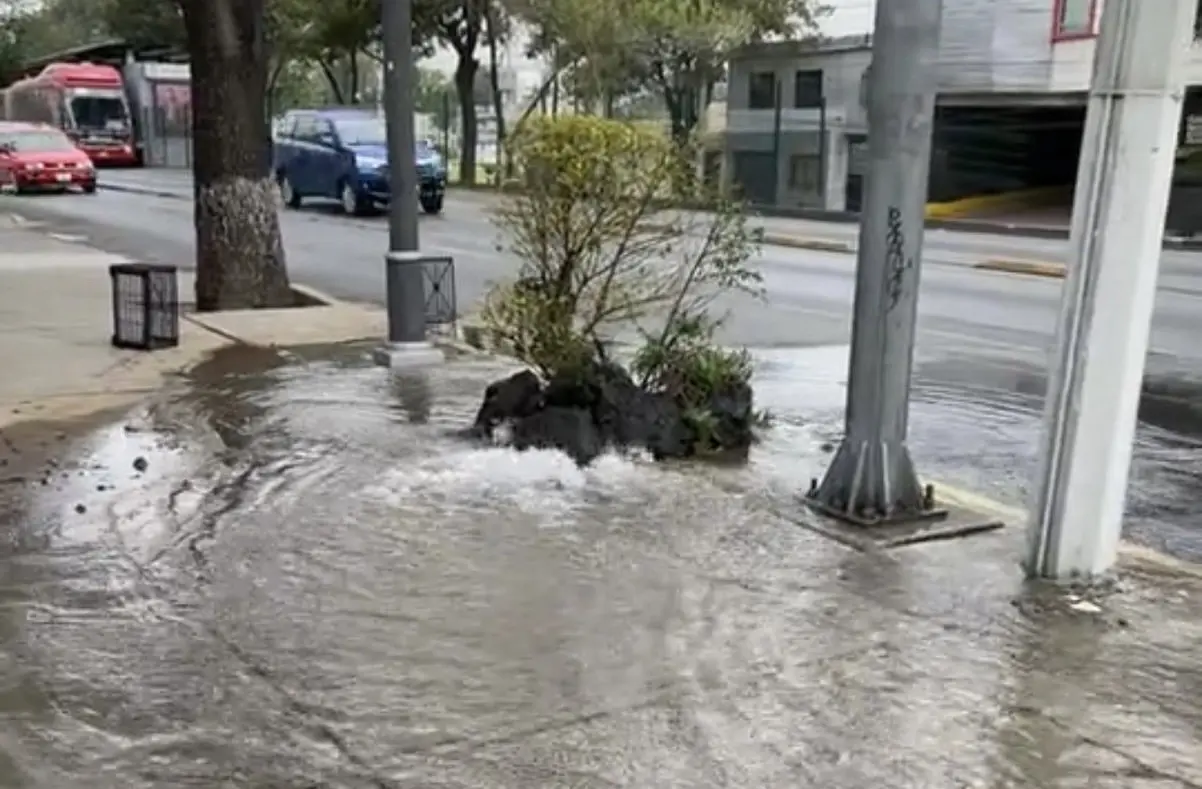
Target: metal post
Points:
(404, 273)
(823, 152)
(777, 98)
(1122, 193)
(446, 125)
(871, 479)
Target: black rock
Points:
(733, 412)
(513, 398)
(570, 430)
(602, 407)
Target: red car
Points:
(35, 157)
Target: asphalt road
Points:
(809, 292)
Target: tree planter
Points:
(603, 409)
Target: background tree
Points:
(460, 25)
(140, 22)
(678, 48)
(239, 253)
(433, 96)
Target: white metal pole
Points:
(1122, 194)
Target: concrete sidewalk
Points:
(56, 329)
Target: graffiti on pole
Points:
(896, 260)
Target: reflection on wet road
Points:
(308, 583)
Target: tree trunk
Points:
(327, 71)
(465, 82)
(353, 75)
(495, 84)
(556, 83)
(239, 252)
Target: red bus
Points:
(85, 100)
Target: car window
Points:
(362, 131)
(305, 128)
(48, 141)
(325, 130)
(285, 127)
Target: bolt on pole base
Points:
(873, 483)
(871, 500)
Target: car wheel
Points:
(351, 204)
(432, 205)
(288, 194)
(89, 188)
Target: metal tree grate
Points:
(438, 284)
(145, 306)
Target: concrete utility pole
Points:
(1118, 225)
(871, 479)
(404, 270)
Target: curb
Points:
(799, 242)
(1031, 268)
(1139, 556)
(779, 240)
(141, 190)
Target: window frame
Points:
(799, 162)
(753, 90)
(1060, 33)
(809, 74)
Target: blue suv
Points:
(342, 154)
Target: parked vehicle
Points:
(85, 100)
(342, 155)
(38, 157)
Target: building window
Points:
(1075, 19)
(761, 91)
(1198, 20)
(807, 88)
(805, 173)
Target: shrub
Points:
(602, 251)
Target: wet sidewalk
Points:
(308, 582)
(56, 325)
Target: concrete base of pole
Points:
(871, 499)
(408, 355)
(938, 523)
(872, 483)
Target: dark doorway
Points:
(857, 169)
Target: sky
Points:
(846, 18)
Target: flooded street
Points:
(298, 579)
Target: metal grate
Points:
(438, 283)
(145, 306)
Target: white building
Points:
(1013, 78)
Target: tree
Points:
(335, 35)
(459, 24)
(142, 22)
(676, 47)
(239, 252)
(28, 32)
(433, 89)
(598, 258)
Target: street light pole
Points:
(1122, 193)
(871, 480)
(404, 265)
